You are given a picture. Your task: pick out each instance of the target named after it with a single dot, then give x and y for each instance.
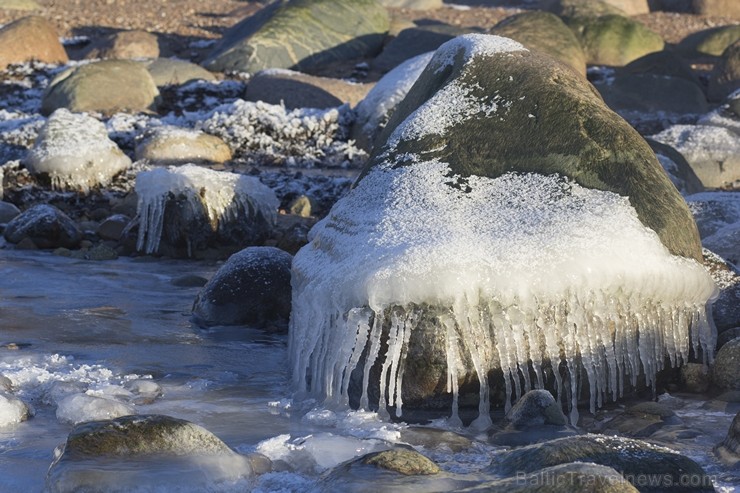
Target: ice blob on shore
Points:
(581, 280)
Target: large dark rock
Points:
(251, 288)
(46, 226)
(301, 34)
(632, 458)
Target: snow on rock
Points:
(375, 109)
(75, 152)
(583, 275)
(712, 151)
(225, 198)
(717, 216)
(12, 410)
(77, 408)
(270, 134)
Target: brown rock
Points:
(724, 8)
(30, 38)
(125, 45)
(297, 90)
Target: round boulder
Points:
(73, 152)
(171, 71)
(712, 42)
(125, 45)
(296, 90)
(726, 369)
(251, 288)
(30, 38)
(176, 145)
(108, 86)
(46, 226)
(164, 452)
(546, 33)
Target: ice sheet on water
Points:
(77, 408)
(581, 277)
(222, 194)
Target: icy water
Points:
(94, 326)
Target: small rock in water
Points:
(726, 369)
(729, 450)
(8, 211)
(641, 420)
(403, 461)
(189, 281)
(45, 226)
(251, 288)
(112, 227)
(145, 391)
(696, 377)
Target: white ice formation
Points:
(525, 270)
(579, 280)
(222, 195)
(74, 150)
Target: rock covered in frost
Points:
(375, 110)
(632, 458)
(251, 288)
(176, 145)
(272, 135)
(726, 370)
(717, 215)
(191, 207)
(576, 477)
(12, 410)
(30, 38)
(301, 34)
(108, 86)
(729, 450)
(297, 90)
(164, 452)
(74, 152)
(46, 226)
(679, 170)
(713, 152)
(78, 408)
(444, 251)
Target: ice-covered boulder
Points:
(190, 208)
(713, 152)
(73, 152)
(12, 410)
(30, 38)
(632, 458)
(251, 288)
(165, 453)
(46, 226)
(375, 110)
(176, 145)
(301, 34)
(107, 86)
(77, 408)
(509, 222)
(546, 33)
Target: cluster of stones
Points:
(694, 130)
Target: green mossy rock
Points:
(404, 461)
(546, 33)
(108, 87)
(554, 122)
(301, 34)
(614, 40)
(712, 42)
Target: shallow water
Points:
(97, 325)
